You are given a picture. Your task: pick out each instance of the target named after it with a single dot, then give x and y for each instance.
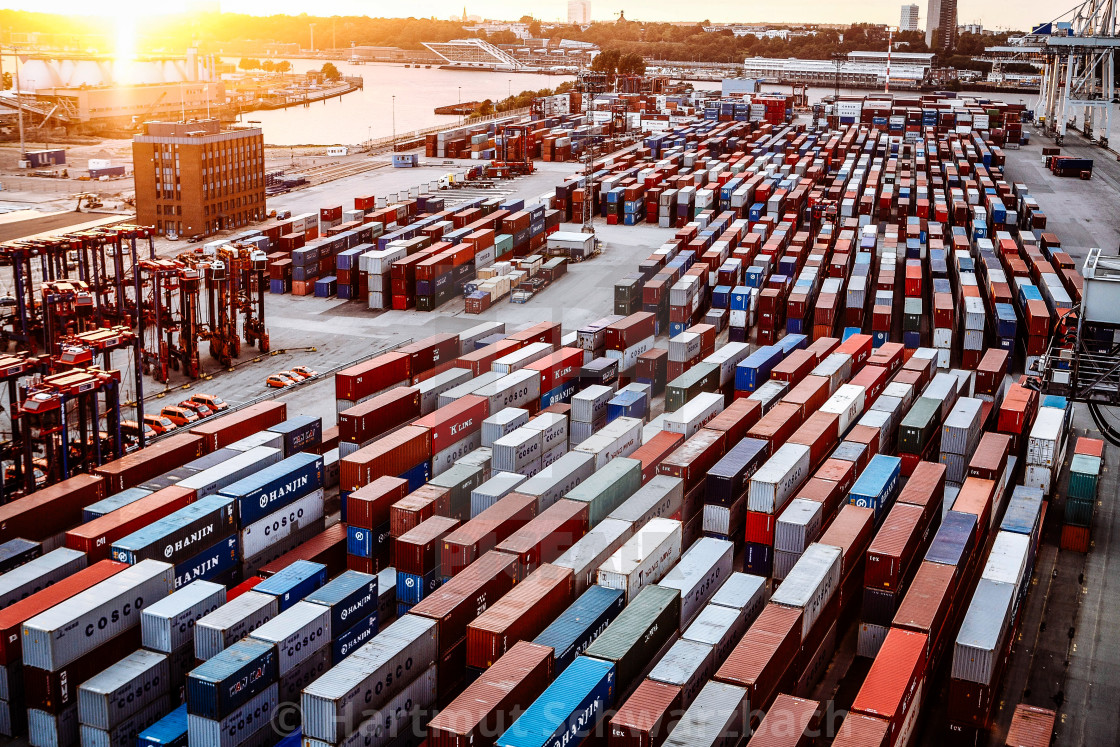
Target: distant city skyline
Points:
(1018, 15)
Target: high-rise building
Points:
(941, 24)
(579, 11)
(196, 178)
(909, 20)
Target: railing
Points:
(383, 143)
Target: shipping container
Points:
(123, 689)
(894, 687)
(647, 716)
(224, 430)
(718, 718)
(168, 625)
(582, 622)
(789, 722)
(275, 487)
(521, 614)
(699, 573)
(39, 573)
(571, 706)
(644, 558)
(648, 623)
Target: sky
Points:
(1020, 14)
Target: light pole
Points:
(19, 110)
(394, 124)
(460, 106)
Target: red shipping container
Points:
(547, 536)
(776, 426)
(392, 455)
(889, 355)
(480, 713)
(819, 432)
(893, 687)
(479, 535)
(51, 510)
(926, 606)
(53, 691)
(761, 660)
(454, 422)
(736, 419)
(479, 361)
(795, 367)
(429, 352)
(221, 432)
(692, 459)
(1093, 447)
(96, 538)
(558, 368)
(368, 506)
(417, 550)
(838, 471)
(851, 532)
(1031, 726)
(894, 547)
(808, 396)
(327, 547)
(13, 616)
(417, 507)
(926, 489)
(1075, 539)
(975, 497)
(458, 602)
(241, 588)
(384, 412)
(654, 451)
(542, 332)
(369, 377)
(139, 466)
(647, 716)
(857, 346)
(822, 347)
(825, 492)
(630, 331)
(859, 730)
(760, 528)
(872, 379)
(328, 442)
(790, 722)
(520, 615)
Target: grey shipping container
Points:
(38, 574)
(743, 591)
(493, 490)
(502, 423)
(237, 467)
(233, 621)
(718, 718)
(980, 641)
(698, 574)
(589, 551)
(296, 633)
(223, 684)
(169, 623)
(558, 478)
(235, 729)
(489, 377)
(638, 633)
(53, 729)
(279, 525)
(688, 665)
(661, 497)
(392, 720)
(335, 704)
(121, 690)
(260, 438)
(460, 479)
(125, 733)
(90, 618)
(719, 627)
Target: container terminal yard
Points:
(796, 450)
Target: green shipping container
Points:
(632, 641)
(460, 480)
(703, 377)
(1084, 475)
(628, 289)
(1079, 512)
(607, 488)
(919, 425)
(503, 244)
(912, 315)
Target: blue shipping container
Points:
(568, 710)
(169, 731)
(412, 589)
(877, 485)
(627, 404)
(353, 639)
(359, 541)
(754, 371)
(293, 583)
(418, 475)
(561, 394)
(276, 486)
(351, 596)
(577, 627)
(208, 564)
(952, 544)
(1023, 511)
(223, 683)
(301, 432)
(112, 503)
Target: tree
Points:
(526, 19)
(330, 72)
(606, 61)
(268, 66)
(6, 83)
(486, 107)
(248, 63)
(535, 29)
(631, 63)
(283, 66)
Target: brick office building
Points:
(196, 178)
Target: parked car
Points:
(159, 424)
(279, 380)
(199, 409)
(179, 415)
(216, 404)
(130, 432)
(303, 372)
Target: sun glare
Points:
(124, 50)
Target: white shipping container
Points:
(493, 490)
(983, 631)
(644, 558)
(1039, 477)
(769, 394)
(628, 358)
(168, 624)
(124, 733)
(122, 689)
(237, 728)
(684, 347)
(590, 405)
(695, 413)
(700, 572)
(83, 622)
(778, 479)
(384, 726)
(209, 481)
(593, 549)
(514, 452)
(943, 388)
(620, 437)
(727, 358)
(798, 525)
(556, 479)
(260, 438)
(1008, 559)
(502, 423)
(430, 389)
(515, 390)
(521, 357)
(36, 575)
(1046, 435)
(297, 632)
(810, 585)
(553, 427)
(687, 665)
(231, 622)
(279, 525)
(468, 337)
(719, 627)
(847, 403)
(489, 377)
(662, 496)
(837, 368)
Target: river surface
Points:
(355, 117)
